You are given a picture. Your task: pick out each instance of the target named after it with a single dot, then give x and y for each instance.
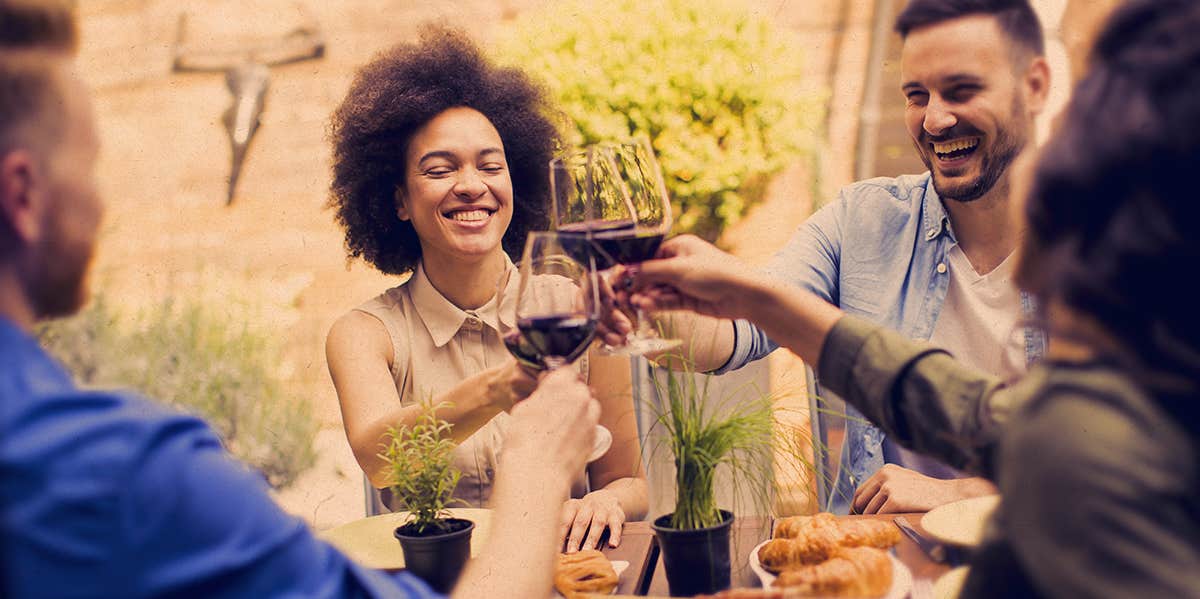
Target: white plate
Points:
(961, 522)
(619, 566)
(950, 585)
(901, 576)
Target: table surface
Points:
(646, 577)
(369, 541)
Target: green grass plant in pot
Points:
(436, 545)
(702, 436)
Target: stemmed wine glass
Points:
(556, 311)
(611, 200)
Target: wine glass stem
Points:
(644, 329)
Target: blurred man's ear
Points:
(20, 206)
(1036, 84)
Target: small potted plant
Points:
(738, 434)
(423, 477)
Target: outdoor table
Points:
(370, 542)
(648, 577)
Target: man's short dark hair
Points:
(1015, 17)
(30, 32)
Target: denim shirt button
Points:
(941, 268)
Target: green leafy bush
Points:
(420, 462)
(201, 361)
(716, 88)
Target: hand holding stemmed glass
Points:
(556, 311)
(610, 202)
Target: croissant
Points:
(795, 526)
(852, 572)
(848, 533)
(586, 571)
(780, 554)
(868, 533)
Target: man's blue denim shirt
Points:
(110, 495)
(877, 252)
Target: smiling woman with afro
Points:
(440, 168)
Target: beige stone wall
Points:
(1081, 22)
(275, 256)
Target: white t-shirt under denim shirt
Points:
(978, 326)
(880, 252)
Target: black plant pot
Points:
(437, 557)
(696, 561)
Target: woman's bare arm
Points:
(359, 352)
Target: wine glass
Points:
(612, 199)
(506, 308)
(556, 311)
(583, 205)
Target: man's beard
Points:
(1008, 144)
(60, 287)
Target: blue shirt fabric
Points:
(107, 494)
(874, 252)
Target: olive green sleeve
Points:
(918, 394)
(1108, 482)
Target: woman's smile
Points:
(458, 194)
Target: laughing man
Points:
(929, 255)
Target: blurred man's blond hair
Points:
(33, 35)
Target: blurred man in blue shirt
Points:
(110, 495)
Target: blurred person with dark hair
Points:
(440, 165)
(106, 494)
(928, 255)
(1097, 450)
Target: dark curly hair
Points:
(1114, 222)
(395, 95)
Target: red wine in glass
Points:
(560, 337)
(520, 348)
(612, 242)
(575, 239)
(627, 247)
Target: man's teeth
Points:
(470, 215)
(956, 145)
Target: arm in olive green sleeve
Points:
(919, 395)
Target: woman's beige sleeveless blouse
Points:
(436, 345)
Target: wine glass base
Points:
(602, 443)
(641, 346)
